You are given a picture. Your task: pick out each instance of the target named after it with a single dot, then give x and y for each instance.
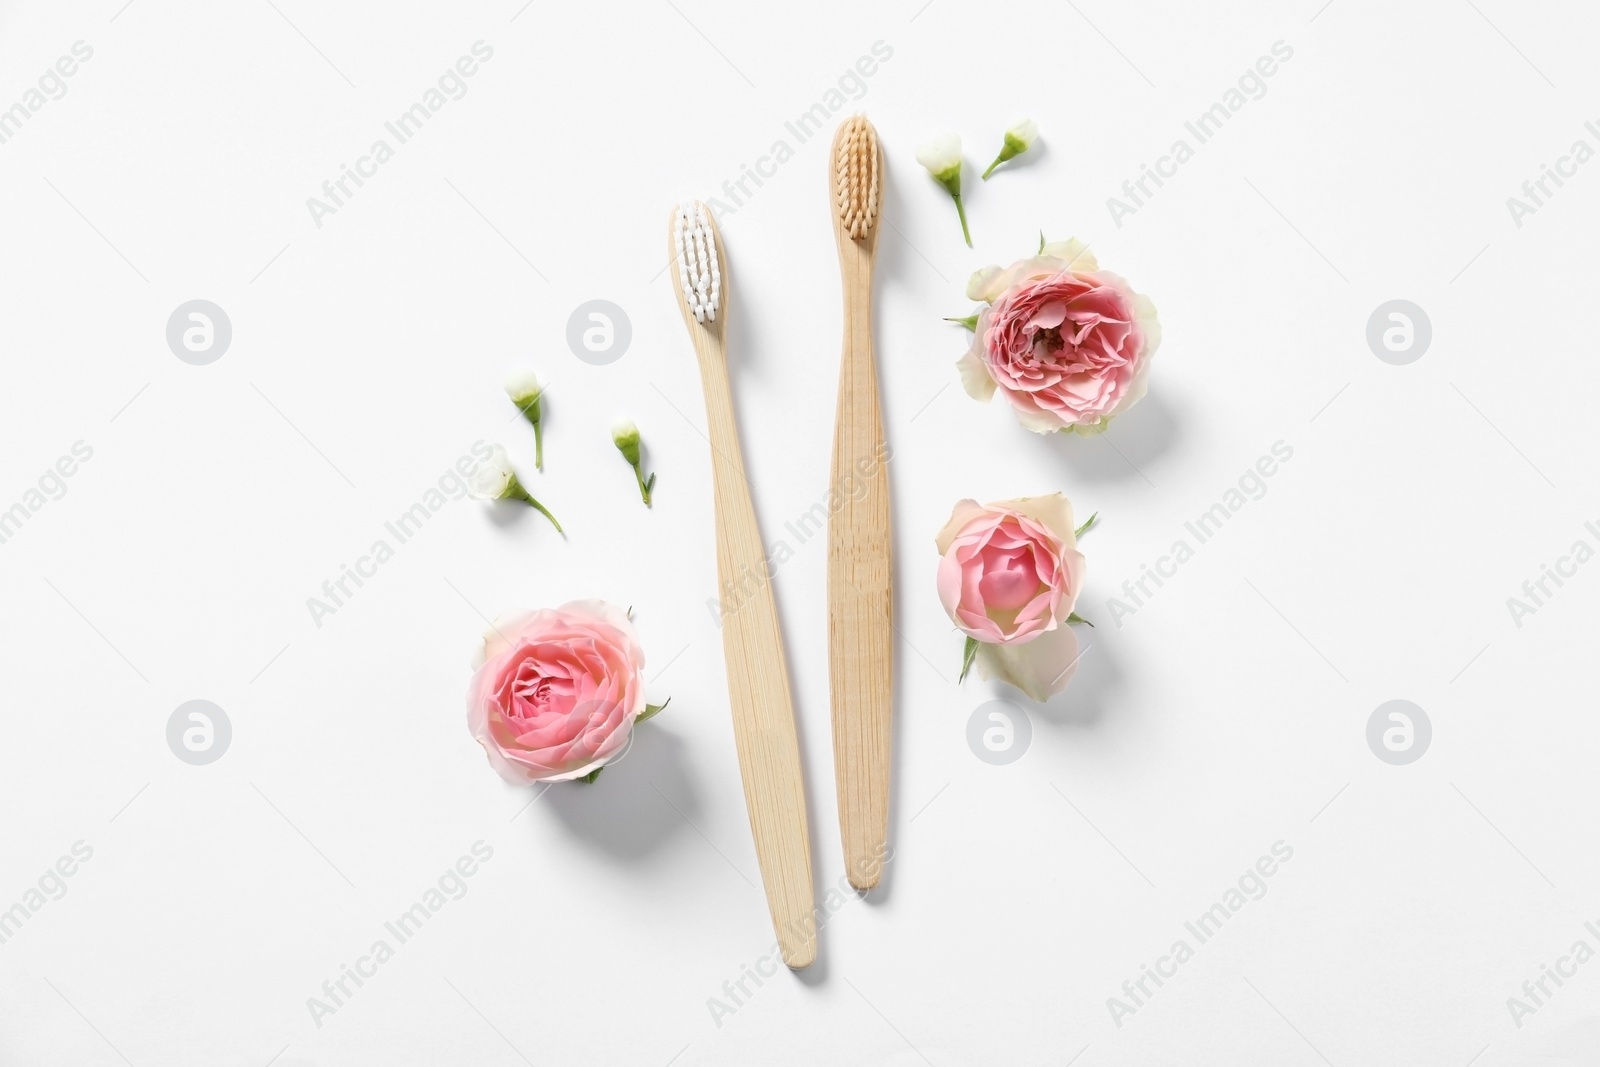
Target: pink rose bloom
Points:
(1067, 344)
(557, 691)
(1009, 575)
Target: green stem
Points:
(518, 492)
(1008, 151)
(962, 211)
(538, 445)
(546, 513)
(644, 486)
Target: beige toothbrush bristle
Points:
(855, 177)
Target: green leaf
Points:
(970, 322)
(592, 775)
(1075, 617)
(651, 711)
(1080, 531)
(1041, 241)
(968, 654)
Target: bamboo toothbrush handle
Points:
(860, 604)
(758, 682)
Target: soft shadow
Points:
(742, 345)
(816, 974)
(1089, 694)
(646, 467)
(814, 788)
(639, 802)
(880, 893)
(515, 515)
(1128, 451)
(742, 340)
(903, 263)
(507, 514)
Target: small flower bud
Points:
(523, 387)
(492, 480)
(496, 479)
(942, 157)
(625, 435)
(1019, 138)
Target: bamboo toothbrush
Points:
(758, 680)
(860, 579)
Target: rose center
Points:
(531, 687)
(1047, 343)
(1009, 582)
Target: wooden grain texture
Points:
(758, 679)
(860, 575)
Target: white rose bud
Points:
(942, 157)
(625, 435)
(496, 479)
(493, 478)
(523, 387)
(1019, 138)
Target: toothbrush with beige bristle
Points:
(758, 680)
(860, 579)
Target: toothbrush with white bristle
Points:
(758, 679)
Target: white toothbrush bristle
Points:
(698, 270)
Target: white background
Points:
(1229, 713)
